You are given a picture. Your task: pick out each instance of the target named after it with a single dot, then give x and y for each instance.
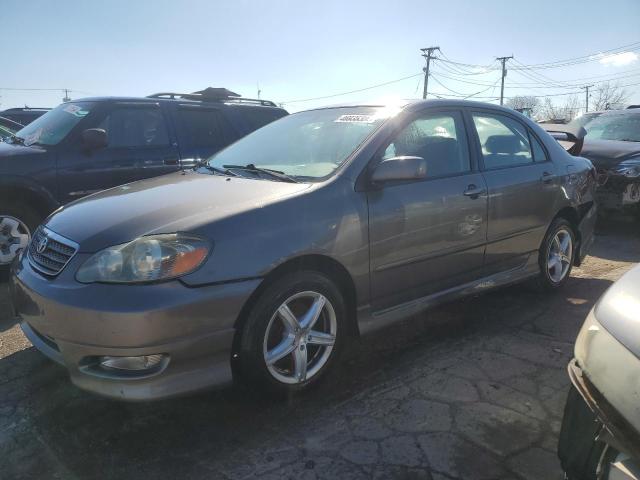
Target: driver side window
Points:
(439, 138)
(135, 127)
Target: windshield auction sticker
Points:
(75, 110)
(355, 119)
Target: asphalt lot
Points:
(471, 390)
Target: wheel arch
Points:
(314, 262)
(28, 193)
(574, 216)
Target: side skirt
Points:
(369, 321)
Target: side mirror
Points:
(95, 138)
(400, 168)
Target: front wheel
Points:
(17, 223)
(294, 333)
(556, 255)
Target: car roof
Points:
(190, 99)
(418, 104)
(622, 111)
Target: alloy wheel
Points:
(14, 236)
(560, 255)
(300, 337)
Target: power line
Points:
(584, 58)
(353, 91)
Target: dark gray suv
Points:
(326, 224)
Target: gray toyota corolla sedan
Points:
(262, 262)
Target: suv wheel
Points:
(294, 333)
(556, 255)
(16, 225)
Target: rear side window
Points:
(439, 138)
(135, 127)
(504, 141)
(539, 154)
(260, 116)
(205, 128)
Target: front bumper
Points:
(618, 193)
(75, 324)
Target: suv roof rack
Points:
(23, 109)
(211, 94)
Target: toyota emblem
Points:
(42, 244)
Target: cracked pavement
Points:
(470, 390)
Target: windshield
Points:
(53, 126)
(614, 126)
(308, 145)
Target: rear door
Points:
(522, 184)
(202, 131)
(427, 235)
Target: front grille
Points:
(50, 252)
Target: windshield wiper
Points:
(17, 139)
(211, 168)
(273, 173)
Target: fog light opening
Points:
(140, 363)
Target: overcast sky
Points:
(297, 50)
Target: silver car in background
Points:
(600, 435)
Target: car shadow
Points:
(60, 428)
(609, 233)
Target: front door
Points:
(138, 147)
(523, 187)
(428, 235)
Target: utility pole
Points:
(586, 97)
(504, 74)
(427, 53)
(66, 95)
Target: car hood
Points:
(14, 150)
(606, 154)
(618, 311)
(182, 201)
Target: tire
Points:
(27, 220)
(266, 328)
(552, 278)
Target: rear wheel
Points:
(294, 333)
(17, 223)
(556, 255)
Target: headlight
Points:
(629, 168)
(146, 259)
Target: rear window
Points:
(259, 117)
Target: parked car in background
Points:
(612, 143)
(25, 115)
(600, 436)
(8, 128)
(322, 225)
(88, 145)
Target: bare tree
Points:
(523, 103)
(608, 96)
(566, 111)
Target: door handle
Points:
(547, 177)
(170, 161)
(474, 191)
